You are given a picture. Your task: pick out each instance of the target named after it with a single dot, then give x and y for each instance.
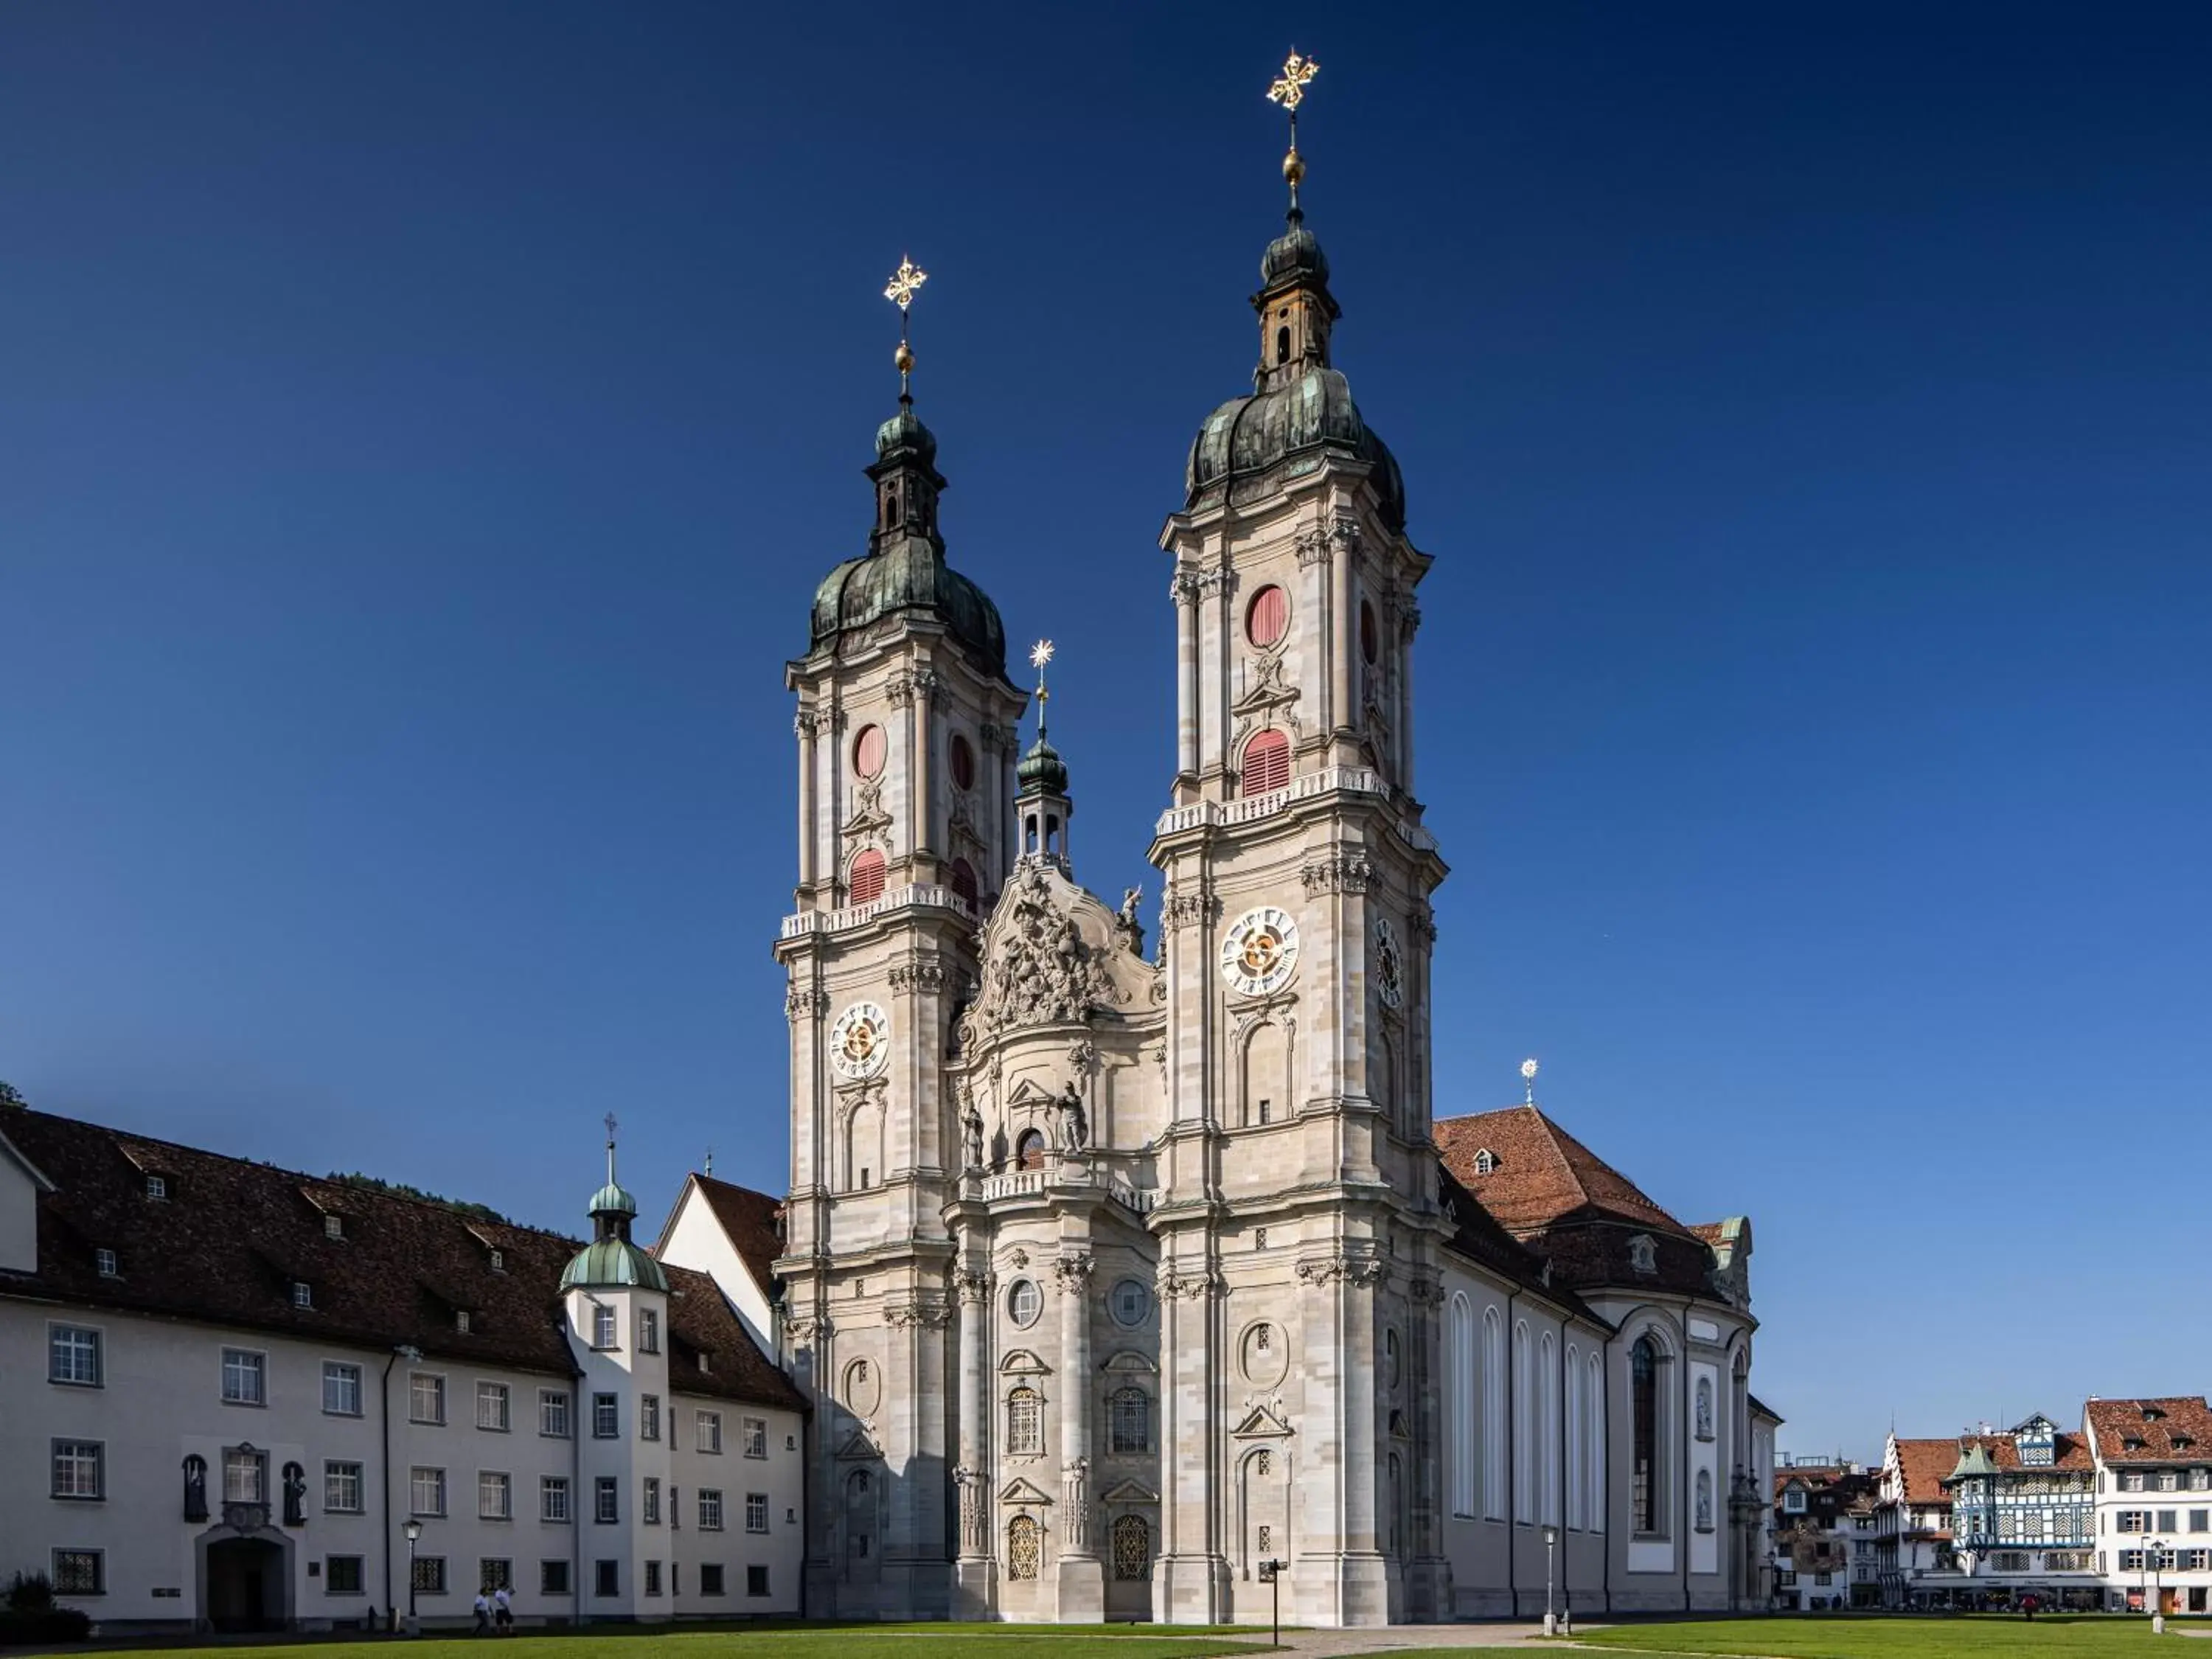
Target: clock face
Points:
(1260, 952)
(860, 1040)
(1390, 965)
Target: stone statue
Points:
(971, 1135)
(295, 1495)
(1131, 930)
(1075, 1124)
(196, 1488)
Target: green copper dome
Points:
(1042, 770)
(1296, 253)
(611, 1260)
(1311, 414)
(611, 1199)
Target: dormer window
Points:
(703, 1365)
(1486, 1162)
(105, 1260)
(2151, 1414)
(333, 1226)
(303, 1294)
(461, 1321)
(157, 1186)
(1642, 1253)
(499, 1261)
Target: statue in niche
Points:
(295, 1495)
(971, 1135)
(1075, 1123)
(196, 1488)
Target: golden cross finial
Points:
(1290, 91)
(904, 281)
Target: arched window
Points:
(859, 1515)
(1267, 616)
(1025, 1422)
(963, 880)
(868, 751)
(1644, 1453)
(1267, 763)
(1022, 1551)
(1547, 1430)
(1463, 1425)
(1493, 1415)
(1594, 1443)
(1029, 1150)
(1572, 1429)
(1282, 345)
(961, 755)
(1524, 1488)
(1129, 1422)
(867, 878)
(1370, 635)
(1133, 1549)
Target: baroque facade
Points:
(1137, 1279)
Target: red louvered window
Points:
(868, 750)
(964, 880)
(1267, 763)
(1267, 616)
(867, 877)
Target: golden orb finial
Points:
(1294, 168)
(903, 358)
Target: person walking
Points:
(483, 1614)
(502, 1611)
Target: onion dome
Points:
(1041, 771)
(611, 1260)
(1295, 253)
(1250, 437)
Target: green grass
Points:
(798, 1642)
(1966, 1635)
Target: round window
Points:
(1024, 1301)
(1131, 1301)
(868, 750)
(963, 762)
(1267, 616)
(1370, 636)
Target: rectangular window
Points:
(105, 1261)
(333, 1226)
(2166, 1520)
(157, 1187)
(553, 1498)
(495, 1495)
(648, 1331)
(2200, 1480)
(78, 1470)
(2192, 1561)
(608, 1577)
(2131, 1480)
(341, 1574)
(243, 1377)
(606, 1500)
(649, 1508)
(2200, 1520)
(553, 1578)
(80, 1572)
(341, 1389)
(606, 1417)
(430, 1574)
(757, 1581)
(603, 1327)
(2169, 1479)
(652, 1579)
(649, 1417)
(756, 1436)
(73, 1355)
(426, 1491)
(342, 1488)
(710, 1438)
(494, 1573)
(245, 1476)
(303, 1294)
(710, 1510)
(756, 1512)
(491, 1407)
(553, 1412)
(710, 1578)
(426, 1398)
(2135, 1521)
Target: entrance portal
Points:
(245, 1585)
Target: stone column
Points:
(1339, 1574)
(1427, 1570)
(1344, 634)
(976, 1575)
(1312, 581)
(1409, 620)
(806, 725)
(1190, 1583)
(921, 838)
(1184, 592)
(1082, 1578)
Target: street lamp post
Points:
(2152, 1548)
(1271, 1571)
(1551, 1619)
(414, 1531)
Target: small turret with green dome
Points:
(1042, 803)
(611, 1260)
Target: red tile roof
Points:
(2180, 1430)
(230, 1240)
(2069, 1451)
(1925, 1463)
(753, 1222)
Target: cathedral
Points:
(1135, 1278)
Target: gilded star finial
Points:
(1528, 1078)
(1040, 655)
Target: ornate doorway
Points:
(246, 1586)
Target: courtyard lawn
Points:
(1900, 1636)
(783, 1642)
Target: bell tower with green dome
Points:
(906, 738)
(1298, 1176)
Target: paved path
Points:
(1332, 1644)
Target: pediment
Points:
(1018, 1491)
(859, 1449)
(1260, 1424)
(1132, 1492)
(1129, 1363)
(1029, 1092)
(1022, 1363)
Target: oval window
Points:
(1370, 637)
(1025, 1302)
(1131, 1300)
(1267, 617)
(868, 750)
(963, 762)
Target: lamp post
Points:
(414, 1531)
(1551, 1543)
(1272, 1571)
(2152, 1546)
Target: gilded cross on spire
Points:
(610, 1148)
(905, 281)
(1290, 91)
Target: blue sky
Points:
(421, 426)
